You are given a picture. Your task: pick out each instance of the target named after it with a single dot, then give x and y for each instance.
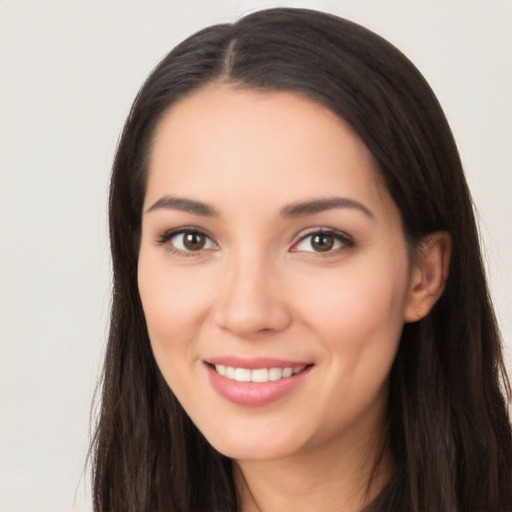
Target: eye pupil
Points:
(194, 241)
(322, 242)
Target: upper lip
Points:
(253, 363)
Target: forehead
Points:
(221, 110)
(279, 146)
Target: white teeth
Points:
(259, 375)
(275, 373)
(287, 372)
(243, 375)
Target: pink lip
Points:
(252, 394)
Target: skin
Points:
(259, 288)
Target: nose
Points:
(251, 300)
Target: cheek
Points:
(175, 302)
(357, 317)
(359, 306)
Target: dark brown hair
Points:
(448, 427)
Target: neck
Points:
(329, 478)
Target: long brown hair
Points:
(448, 427)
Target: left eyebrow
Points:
(321, 205)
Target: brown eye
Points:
(187, 241)
(194, 241)
(322, 242)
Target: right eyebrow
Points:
(184, 205)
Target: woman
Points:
(300, 315)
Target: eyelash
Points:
(165, 239)
(345, 241)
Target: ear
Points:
(428, 275)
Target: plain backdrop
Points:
(68, 73)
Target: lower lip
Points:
(254, 394)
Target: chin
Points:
(247, 444)
(259, 447)
(254, 452)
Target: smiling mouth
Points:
(257, 375)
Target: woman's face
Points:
(273, 272)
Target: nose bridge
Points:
(250, 301)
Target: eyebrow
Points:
(184, 205)
(321, 205)
(292, 210)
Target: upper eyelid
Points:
(323, 230)
(169, 233)
(346, 241)
(164, 239)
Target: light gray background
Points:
(68, 73)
